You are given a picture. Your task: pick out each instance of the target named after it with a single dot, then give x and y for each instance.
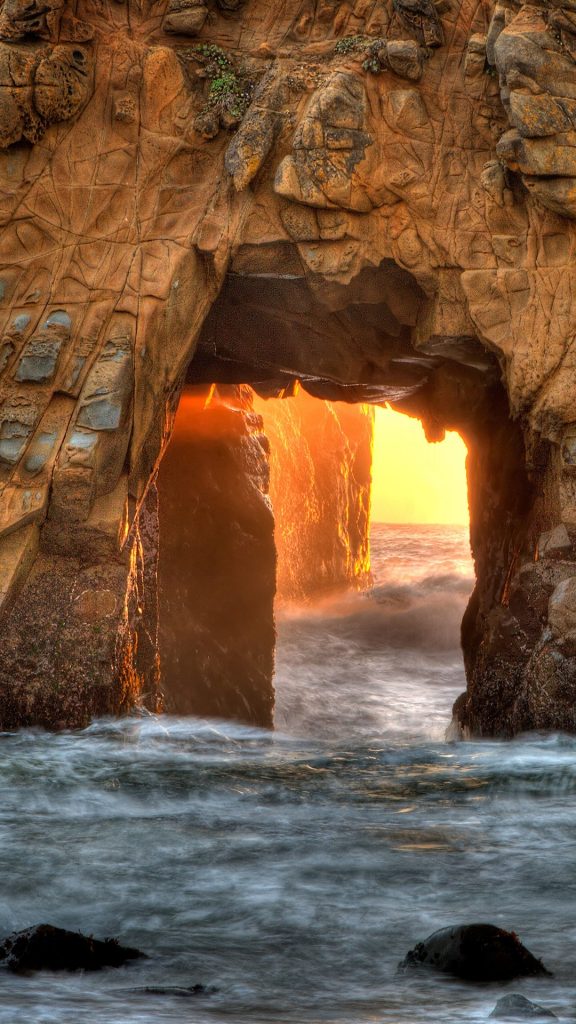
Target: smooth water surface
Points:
(293, 870)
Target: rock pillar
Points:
(217, 569)
(78, 637)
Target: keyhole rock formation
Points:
(374, 198)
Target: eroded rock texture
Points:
(375, 199)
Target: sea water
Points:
(291, 871)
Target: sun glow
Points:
(414, 481)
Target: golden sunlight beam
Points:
(414, 481)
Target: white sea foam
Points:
(293, 870)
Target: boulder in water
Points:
(475, 952)
(178, 990)
(46, 948)
(517, 1007)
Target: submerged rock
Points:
(474, 952)
(186, 992)
(46, 948)
(517, 1007)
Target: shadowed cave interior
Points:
(274, 340)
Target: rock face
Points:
(80, 640)
(474, 952)
(320, 462)
(375, 200)
(217, 561)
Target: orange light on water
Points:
(414, 481)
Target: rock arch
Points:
(409, 167)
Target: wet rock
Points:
(46, 948)
(517, 1007)
(474, 952)
(562, 608)
(555, 543)
(186, 992)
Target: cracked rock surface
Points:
(390, 187)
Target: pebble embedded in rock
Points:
(517, 1007)
(474, 952)
(46, 948)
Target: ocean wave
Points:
(423, 615)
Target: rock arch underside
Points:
(363, 201)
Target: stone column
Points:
(217, 569)
(73, 636)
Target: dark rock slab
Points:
(46, 948)
(474, 952)
(517, 1007)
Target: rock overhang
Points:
(360, 178)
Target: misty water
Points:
(292, 871)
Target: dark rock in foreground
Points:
(474, 952)
(517, 1007)
(46, 948)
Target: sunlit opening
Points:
(414, 481)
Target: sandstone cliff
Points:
(320, 476)
(374, 197)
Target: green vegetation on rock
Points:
(230, 89)
(350, 44)
(371, 48)
(375, 61)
